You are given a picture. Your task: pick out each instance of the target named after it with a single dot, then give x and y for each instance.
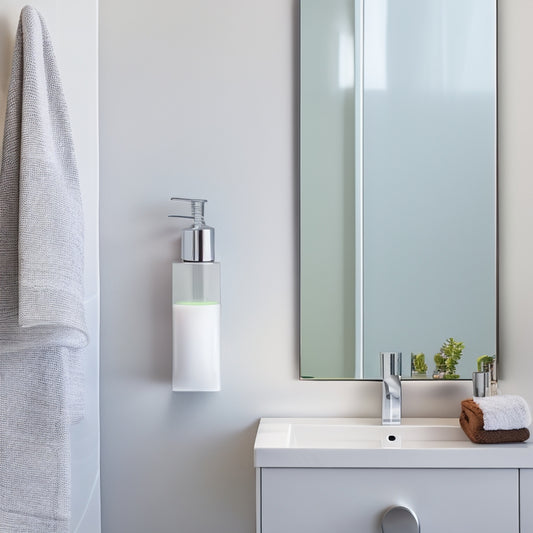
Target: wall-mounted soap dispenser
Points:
(196, 306)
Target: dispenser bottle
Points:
(196, 306)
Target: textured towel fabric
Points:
(471, 421)
(506, 411)
(42, 324)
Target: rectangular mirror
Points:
(397, 186)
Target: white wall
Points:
(199, 97)
(73, 28)
(515, 193)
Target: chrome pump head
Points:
(197, 241)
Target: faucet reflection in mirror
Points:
(196, 306)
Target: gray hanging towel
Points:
(42, 323)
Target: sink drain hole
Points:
(391, 438)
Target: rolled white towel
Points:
(505, 411)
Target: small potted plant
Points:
(484, 363)
(419, 367)
(487, 363)
(446, 360)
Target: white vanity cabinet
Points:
(353, 500)
(340, 475)
(526, 500)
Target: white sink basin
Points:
(363, 442)
(368, 434)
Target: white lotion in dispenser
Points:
(196, 306)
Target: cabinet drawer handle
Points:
(398, 519)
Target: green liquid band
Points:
(196, 303)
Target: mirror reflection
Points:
(398, 187)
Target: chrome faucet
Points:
(391, 398)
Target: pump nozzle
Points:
(196, 210)
(198, 241)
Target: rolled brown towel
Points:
(471, 421)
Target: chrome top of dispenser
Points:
(197, 241)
